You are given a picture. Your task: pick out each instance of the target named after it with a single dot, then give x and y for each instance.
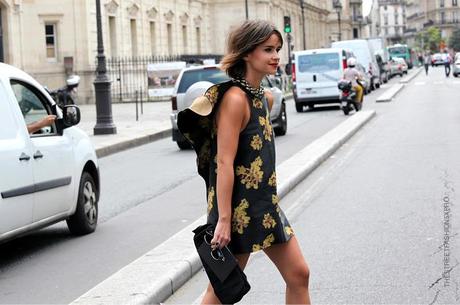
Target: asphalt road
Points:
(148, 194)
(379, 221)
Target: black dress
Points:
(257, 220)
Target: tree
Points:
(429, 39)
(454, 41)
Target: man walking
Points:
(427, 62)
(447, 61)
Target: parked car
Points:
(456, 67)
(398, 66)
(365, 55)
(316, 74)
(437, 59)
(214, 75)
(47, 176)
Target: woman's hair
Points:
(242, 41)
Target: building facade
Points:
(51, 41)
(390, 20)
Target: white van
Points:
(365, 56)
(316, 74)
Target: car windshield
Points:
(397, 50)
(213, 75)
(318, 63)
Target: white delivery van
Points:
(365, 56)
(316, 74)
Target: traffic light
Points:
(287, 24)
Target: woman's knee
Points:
(299, 276)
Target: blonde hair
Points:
(242, 41)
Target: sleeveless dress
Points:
(257, 220)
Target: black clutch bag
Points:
(225, 275)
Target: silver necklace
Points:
(259, 92)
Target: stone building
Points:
(444, 14)
(389, 19)
(53, 38)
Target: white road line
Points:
(419, 83)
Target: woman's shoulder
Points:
(236, 96)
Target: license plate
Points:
(309, 91)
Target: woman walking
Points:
(427, 62)
(231, 131)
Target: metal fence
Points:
(129, 74)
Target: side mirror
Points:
(71, 115)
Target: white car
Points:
(213, 75)
(47, 176)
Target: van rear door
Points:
(318, 74)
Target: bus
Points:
(402, 51)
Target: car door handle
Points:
(24, 157)
(38, 155)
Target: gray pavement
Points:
(153, 124)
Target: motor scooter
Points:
(348, 97)
(66, 95)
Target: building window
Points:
(385, 20)
(113, 36)
(198, 40)
(454, 3)
(133, 37)
(51, 41)
(386, 31)
(153, 40)
(385, 7)
(396, 18)
(443, 17)
(184, 39)
(454, 17)
(441, 3)
(169, 33)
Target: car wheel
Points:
(377, 85)
(183, 145)
(299, 107)
(84, 220)
(455, 74)
(282, 122)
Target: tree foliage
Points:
(454, 41)
(429, 39)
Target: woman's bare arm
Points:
(232, 117)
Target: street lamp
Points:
(338, 8)
(302, 7)
(247, 10)
(104, 121)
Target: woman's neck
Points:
(254, 79)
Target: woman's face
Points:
(265, 58)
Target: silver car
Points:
(212, 74)
(456, 67)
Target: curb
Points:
(155, 276)
(131, 143)
(408, 78)
(388, 95)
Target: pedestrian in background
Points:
(427, 62)
(236, 157)
(447, 61)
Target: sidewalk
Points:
(152, 125)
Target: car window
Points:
(32, 107)
(190, 77)
(8, 126)
(266, 83)
(318, 63)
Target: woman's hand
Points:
(221, 234)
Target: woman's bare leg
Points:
(290, 262)
(209, 297)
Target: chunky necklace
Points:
(259, 92)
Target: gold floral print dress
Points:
(257, 220)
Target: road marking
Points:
(419, 83)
